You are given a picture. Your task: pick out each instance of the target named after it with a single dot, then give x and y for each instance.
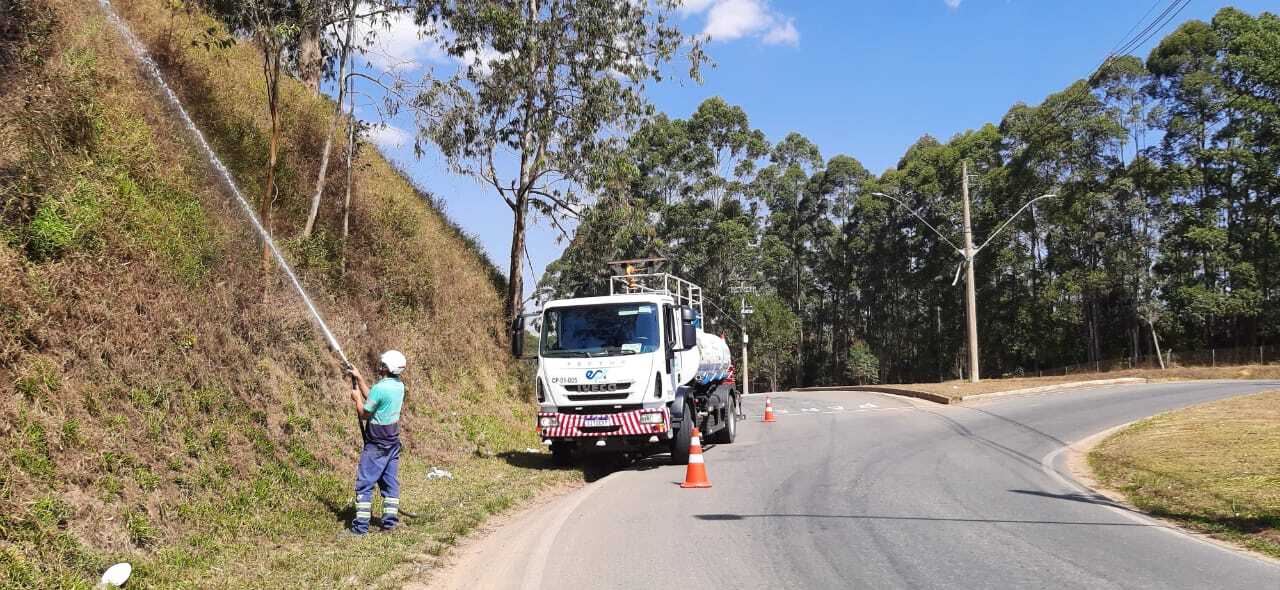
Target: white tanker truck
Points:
(631, 372)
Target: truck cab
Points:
(631, 372)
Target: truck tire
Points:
(561, 454)
(729, 431)
(680, 442)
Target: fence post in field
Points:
(1213, 357)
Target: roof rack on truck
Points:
(642, 276)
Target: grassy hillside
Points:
(162, 401)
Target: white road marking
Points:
(836, 408)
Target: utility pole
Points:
(968, 252)
(746, 370)
(970, 297)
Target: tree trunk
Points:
(515, 281)
(528, 161)
(271, 70)
(1155, 340)
(310, 60)
(346, 207)
(322, 175)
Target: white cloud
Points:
(734, 19)
(952, 4)
(783, 34)
(481, 60)
(388, 136)
(401, 47)
(688, 7)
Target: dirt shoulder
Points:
(1210, 468)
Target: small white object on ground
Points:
(868, 406)
(438, 473)
(116, 576)
(531, 450)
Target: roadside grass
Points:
(960, 388)
(281, 531)
(1213, 468)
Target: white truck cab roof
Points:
(607, 299)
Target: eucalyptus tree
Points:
(337, 20)
(274, 26)
(544, 88)
(793, 225)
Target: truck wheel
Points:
(729, 431)
(561, 454)
(680, 442)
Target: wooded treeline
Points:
(1166, 220)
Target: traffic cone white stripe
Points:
(696, 458)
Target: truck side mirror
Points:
(688, 331)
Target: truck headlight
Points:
(651, 418)
(548, 422)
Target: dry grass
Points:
(1213, 467)
(157, 404)
(960, 389)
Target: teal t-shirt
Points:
(386, 397)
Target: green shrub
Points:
(31, 453)
(40, 378)
(145, 398)
(147, 480)
(66, 223)
(49, 512)
(171, 222)
(141, 532)
(296, 424)
(71, 436)
(217, 439)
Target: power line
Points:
(1116, 49)
(1155, 27)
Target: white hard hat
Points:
(394, 361)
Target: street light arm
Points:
(1010, 220)
(922, 220)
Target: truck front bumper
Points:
(639, 427)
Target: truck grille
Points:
(599, 410)
(595, 397)
(598, 387)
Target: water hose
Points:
(153, 70)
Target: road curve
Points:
(862, 490)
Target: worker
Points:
(378, 408)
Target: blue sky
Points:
(864, 79)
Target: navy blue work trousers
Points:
(380, 465)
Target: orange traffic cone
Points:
(696, 475)
(768, 410)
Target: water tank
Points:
(714, 359)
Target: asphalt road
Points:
(861, 490)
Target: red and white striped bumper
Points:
(620, 424)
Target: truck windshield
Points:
(600, 330)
